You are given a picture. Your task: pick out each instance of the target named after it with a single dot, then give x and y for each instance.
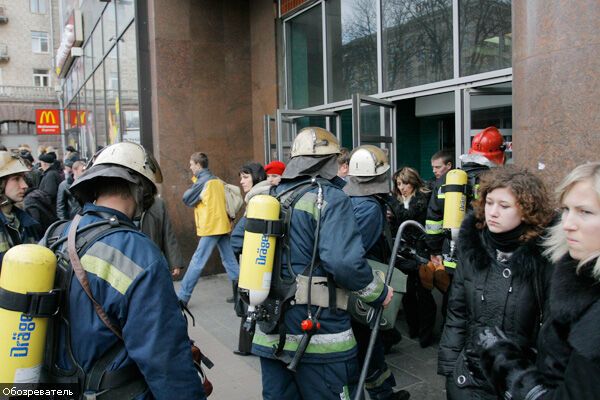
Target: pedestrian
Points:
(207, 196)
(418, 302)
(501, 278)
(156, 224)
(66, 204)
(567, 365)
(51, 176)
(321, 222)
(134, 343)
(368, 179)
(253, 180)
(274, 170)
(16, 226)
(343, 161)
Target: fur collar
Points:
(571, 294)
(475, 251)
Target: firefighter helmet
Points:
(490, 144)
(314, 141)
(368, 160)
(11, 164)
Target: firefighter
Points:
(487, 151)
(323, 225)
(368, 183)
(139, 348)
(17, 227)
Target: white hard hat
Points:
(368, 160)
(11, 164)
(314, 141)
(132, 156)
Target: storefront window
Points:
(88, 129)
(304, 38)
(485, 35)
(113, 107)
(97, 49)
(109, 25)
(100, 108)
(125, 14)
(352, 48)
(417, 42)
(130, 120)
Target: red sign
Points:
(76, 118)
(47, 122)
(287, 6)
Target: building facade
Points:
(27, 80)
(238, 79)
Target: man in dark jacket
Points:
(51, 177)
(16, 226)
(66, 205)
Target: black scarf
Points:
(506, 242)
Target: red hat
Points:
(275, 168)
(489, 143)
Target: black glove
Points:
(406, 263)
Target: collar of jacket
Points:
(572, 293)
(204, 174)
(25, 219)
(473, 249)
(90, 208)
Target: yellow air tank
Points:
(256, 264)
(25, 268)
(455, 198)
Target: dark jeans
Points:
(419, 308)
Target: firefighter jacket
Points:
(369, 218)
(130, 278)
(340, 253)
(25, 231)
(207, 196)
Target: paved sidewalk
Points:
(236, 377)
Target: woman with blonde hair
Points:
(568, 361)
(501, 278)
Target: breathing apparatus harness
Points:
(283, 290)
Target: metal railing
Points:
(27, 93)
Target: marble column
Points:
(556, 85)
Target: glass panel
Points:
(100, 107)
(417, 42)
(130, 119)
(88, 129)
(304, 38)
(485, 35)
(109, 25)
(97, 50)
(88, 59)
(424, 126)
(352, 48)
(125, 14)
(113, 106)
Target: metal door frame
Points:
(357, 100)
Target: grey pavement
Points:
(238, 377)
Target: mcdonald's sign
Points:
(47, 122)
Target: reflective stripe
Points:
(379, 381)
(345, 395)
(434, 227)
(3, 244)
(308, 203)
(110, 265)
(441, 196)
(372, 291)
(449, 264)
(319, 343)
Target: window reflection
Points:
(130, 121)
(485, 35)
(113, 107)
(352, 47)
(304, 39)
(417, 42)
(125, 14)
(100, 108)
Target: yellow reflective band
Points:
(4, 245)
(434, 227)
(319, 344)
(449, 264)
(308, 203)
(107, 272)
(379, 381)
(441, 196)
(373, 290)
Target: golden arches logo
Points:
(47, 117)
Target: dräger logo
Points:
(262, 250)
(21, 338)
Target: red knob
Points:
(318, 325)
(306, 325)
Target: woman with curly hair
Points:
(568, 361)
(502, 277)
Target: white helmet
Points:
(314, 141)
(368, 160)
(132, 156)
(11, 164)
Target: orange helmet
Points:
(489, 143)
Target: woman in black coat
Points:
(568, 361)
(501, 278)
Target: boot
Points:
(234, 287)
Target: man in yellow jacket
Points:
(207, 196)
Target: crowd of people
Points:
(518, 277)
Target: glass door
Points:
(373, 122)
(488, 106)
